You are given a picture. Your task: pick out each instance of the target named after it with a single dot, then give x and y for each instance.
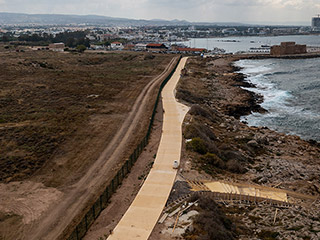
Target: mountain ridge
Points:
(69, 19)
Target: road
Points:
(141, 217)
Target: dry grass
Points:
(52, 104)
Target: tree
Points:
(71, 42)
(81, 48)
(5, 38)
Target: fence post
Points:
(135, 155)
(77, 233)
(100, 203)
(118, 179)
(127, 163)
(86, 221)
(107, 193)
(94, 211)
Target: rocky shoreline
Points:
(221, 147)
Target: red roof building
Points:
(156, 45)
(191, 50)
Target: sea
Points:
(291, 92)
(236, 44)
(290, 87)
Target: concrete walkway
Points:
(144, 212)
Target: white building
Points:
(141, 47)
(57, 47)
(116, 46)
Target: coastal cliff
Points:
(219, 147)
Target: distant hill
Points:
(61, 19)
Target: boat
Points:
(260, 50)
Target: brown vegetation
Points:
(211, 223)
(59, 111)
(48, 99)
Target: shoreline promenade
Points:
(144, 212)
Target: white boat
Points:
(261, 50)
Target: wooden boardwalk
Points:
(143, 214)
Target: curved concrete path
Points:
(144, 212)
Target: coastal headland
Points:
(219, 147)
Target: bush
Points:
(211, 223)
(232, 154)
(213, 160)
(187, 96)
(202, 131)
(148, 56)
(235, 166)
(81, 48)
(268, 235)
(197, 145)
(199, 130)
(210, 114)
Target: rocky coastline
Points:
(218, 146)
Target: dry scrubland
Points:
(58, 112)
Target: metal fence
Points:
(102, 202)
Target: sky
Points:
(245, 11)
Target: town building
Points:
(316, 22)
(57, 47)
(313, 49)
(156, 47)
(129, 47)
(116, 46)
(141, 47)
(190, 50)
(288, 48)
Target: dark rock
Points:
(211, 114)
(234, 155)
(253, 144)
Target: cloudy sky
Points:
(254, 11)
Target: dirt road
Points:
(61, 218)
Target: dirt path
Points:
(59, 217)
(125, 194)
(141, 217)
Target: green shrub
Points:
(214, 160)
(197, 145)
(81, 48)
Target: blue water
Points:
(235, 44)
(291, 91)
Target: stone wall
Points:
(288, 48)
